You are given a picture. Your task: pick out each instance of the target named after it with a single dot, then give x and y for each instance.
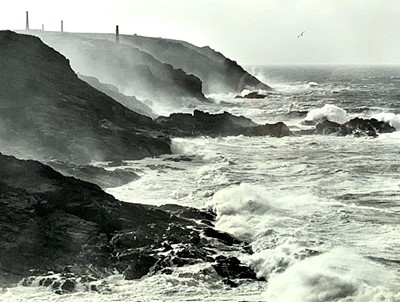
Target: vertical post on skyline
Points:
(27, 21)
(42, 27)
(62, 26)
(117, 34)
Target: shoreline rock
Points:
(225, 124)
(253, 95)
(356, 126)
(52, 223)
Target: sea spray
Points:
(391, 118)
(338, 275)
(327, 112)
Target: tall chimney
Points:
(117, 34)
(42, 27)
(27, 21)
(62, 26)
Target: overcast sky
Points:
(248, 31)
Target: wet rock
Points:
(369, 125)
(356, 126)
(140, 265)
(224, 124)
(68, 286)
(46, 282)
(229, 282)
(232, 268)
(72, 228)
(189, 213)
(253, 95)
(328, 127)
(226, 238)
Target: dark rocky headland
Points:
(52, 223)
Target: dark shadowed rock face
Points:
(50, 222)
(47, 112)
(203, 123)
(356, 126)
(131, 70)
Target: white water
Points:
(337, 196)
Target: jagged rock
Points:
(224, 124)
(328, 127)
(50, 222)
(232, 268)
(47, 112)
(253, 95)
(356, 126)
(367, 125)
(189, 213)
(68, 286)
(224, 237)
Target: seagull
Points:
(301, 34)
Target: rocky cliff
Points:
(131, 70)
(46, 111)
(218, 73)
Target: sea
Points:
(322, 213)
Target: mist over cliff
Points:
(166, 75)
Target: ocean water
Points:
(338, 196)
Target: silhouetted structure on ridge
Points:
(117, 34)
(27, 21)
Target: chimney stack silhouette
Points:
(117, 34)
(27, 21)
(62, 26)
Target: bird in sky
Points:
(301, 34)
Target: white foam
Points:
(194, 147)
(328, 112)
(338, 275)
(391, 118)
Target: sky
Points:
(248, 31)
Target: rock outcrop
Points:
(356, 126)
(46, 111)
(63, 231)
(253, 95)
(224, 124)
